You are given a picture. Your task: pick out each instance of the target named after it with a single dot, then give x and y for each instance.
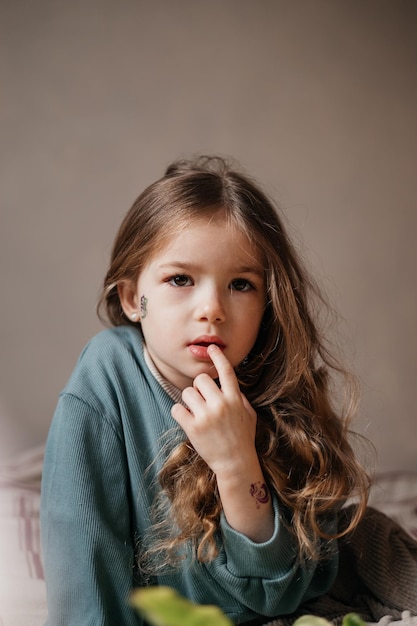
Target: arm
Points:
(221, 425)
(85, 520)
(258, 565)
(268, 578)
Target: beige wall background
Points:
(317, 98)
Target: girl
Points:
(195, 444)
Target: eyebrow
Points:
(243, 269)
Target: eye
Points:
(180, 280)
(241, 284)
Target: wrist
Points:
(239, 471)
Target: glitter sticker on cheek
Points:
(143, 306)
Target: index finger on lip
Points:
(223, 366)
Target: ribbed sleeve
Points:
(86, 527)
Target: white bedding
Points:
(22, 588)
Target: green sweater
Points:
(99, 482)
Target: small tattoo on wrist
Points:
(143, 306)
(259, 491)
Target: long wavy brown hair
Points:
(291, 377)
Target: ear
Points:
(128, 297)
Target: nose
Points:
(210, 306)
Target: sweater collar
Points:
(173, 391)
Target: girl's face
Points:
(206, 286)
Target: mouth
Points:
(208, 340)
(198, 347)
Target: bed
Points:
(22, 588)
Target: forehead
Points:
(209, 237)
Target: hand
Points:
(219, 422)
(221, 425)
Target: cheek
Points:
(255, 315)
(154, 320)
(254, 326)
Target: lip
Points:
(198, 347)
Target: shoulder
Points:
(108, 360)
(112, 350)
(114, 341)
(112, 384)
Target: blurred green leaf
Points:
(351, 619)
(163, 606)
(311, 620)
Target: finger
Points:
(248, 406)
(205, 385)
(181, 414)
(227, 376)
(194, 398)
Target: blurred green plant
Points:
(163, 606)
(350, 619)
